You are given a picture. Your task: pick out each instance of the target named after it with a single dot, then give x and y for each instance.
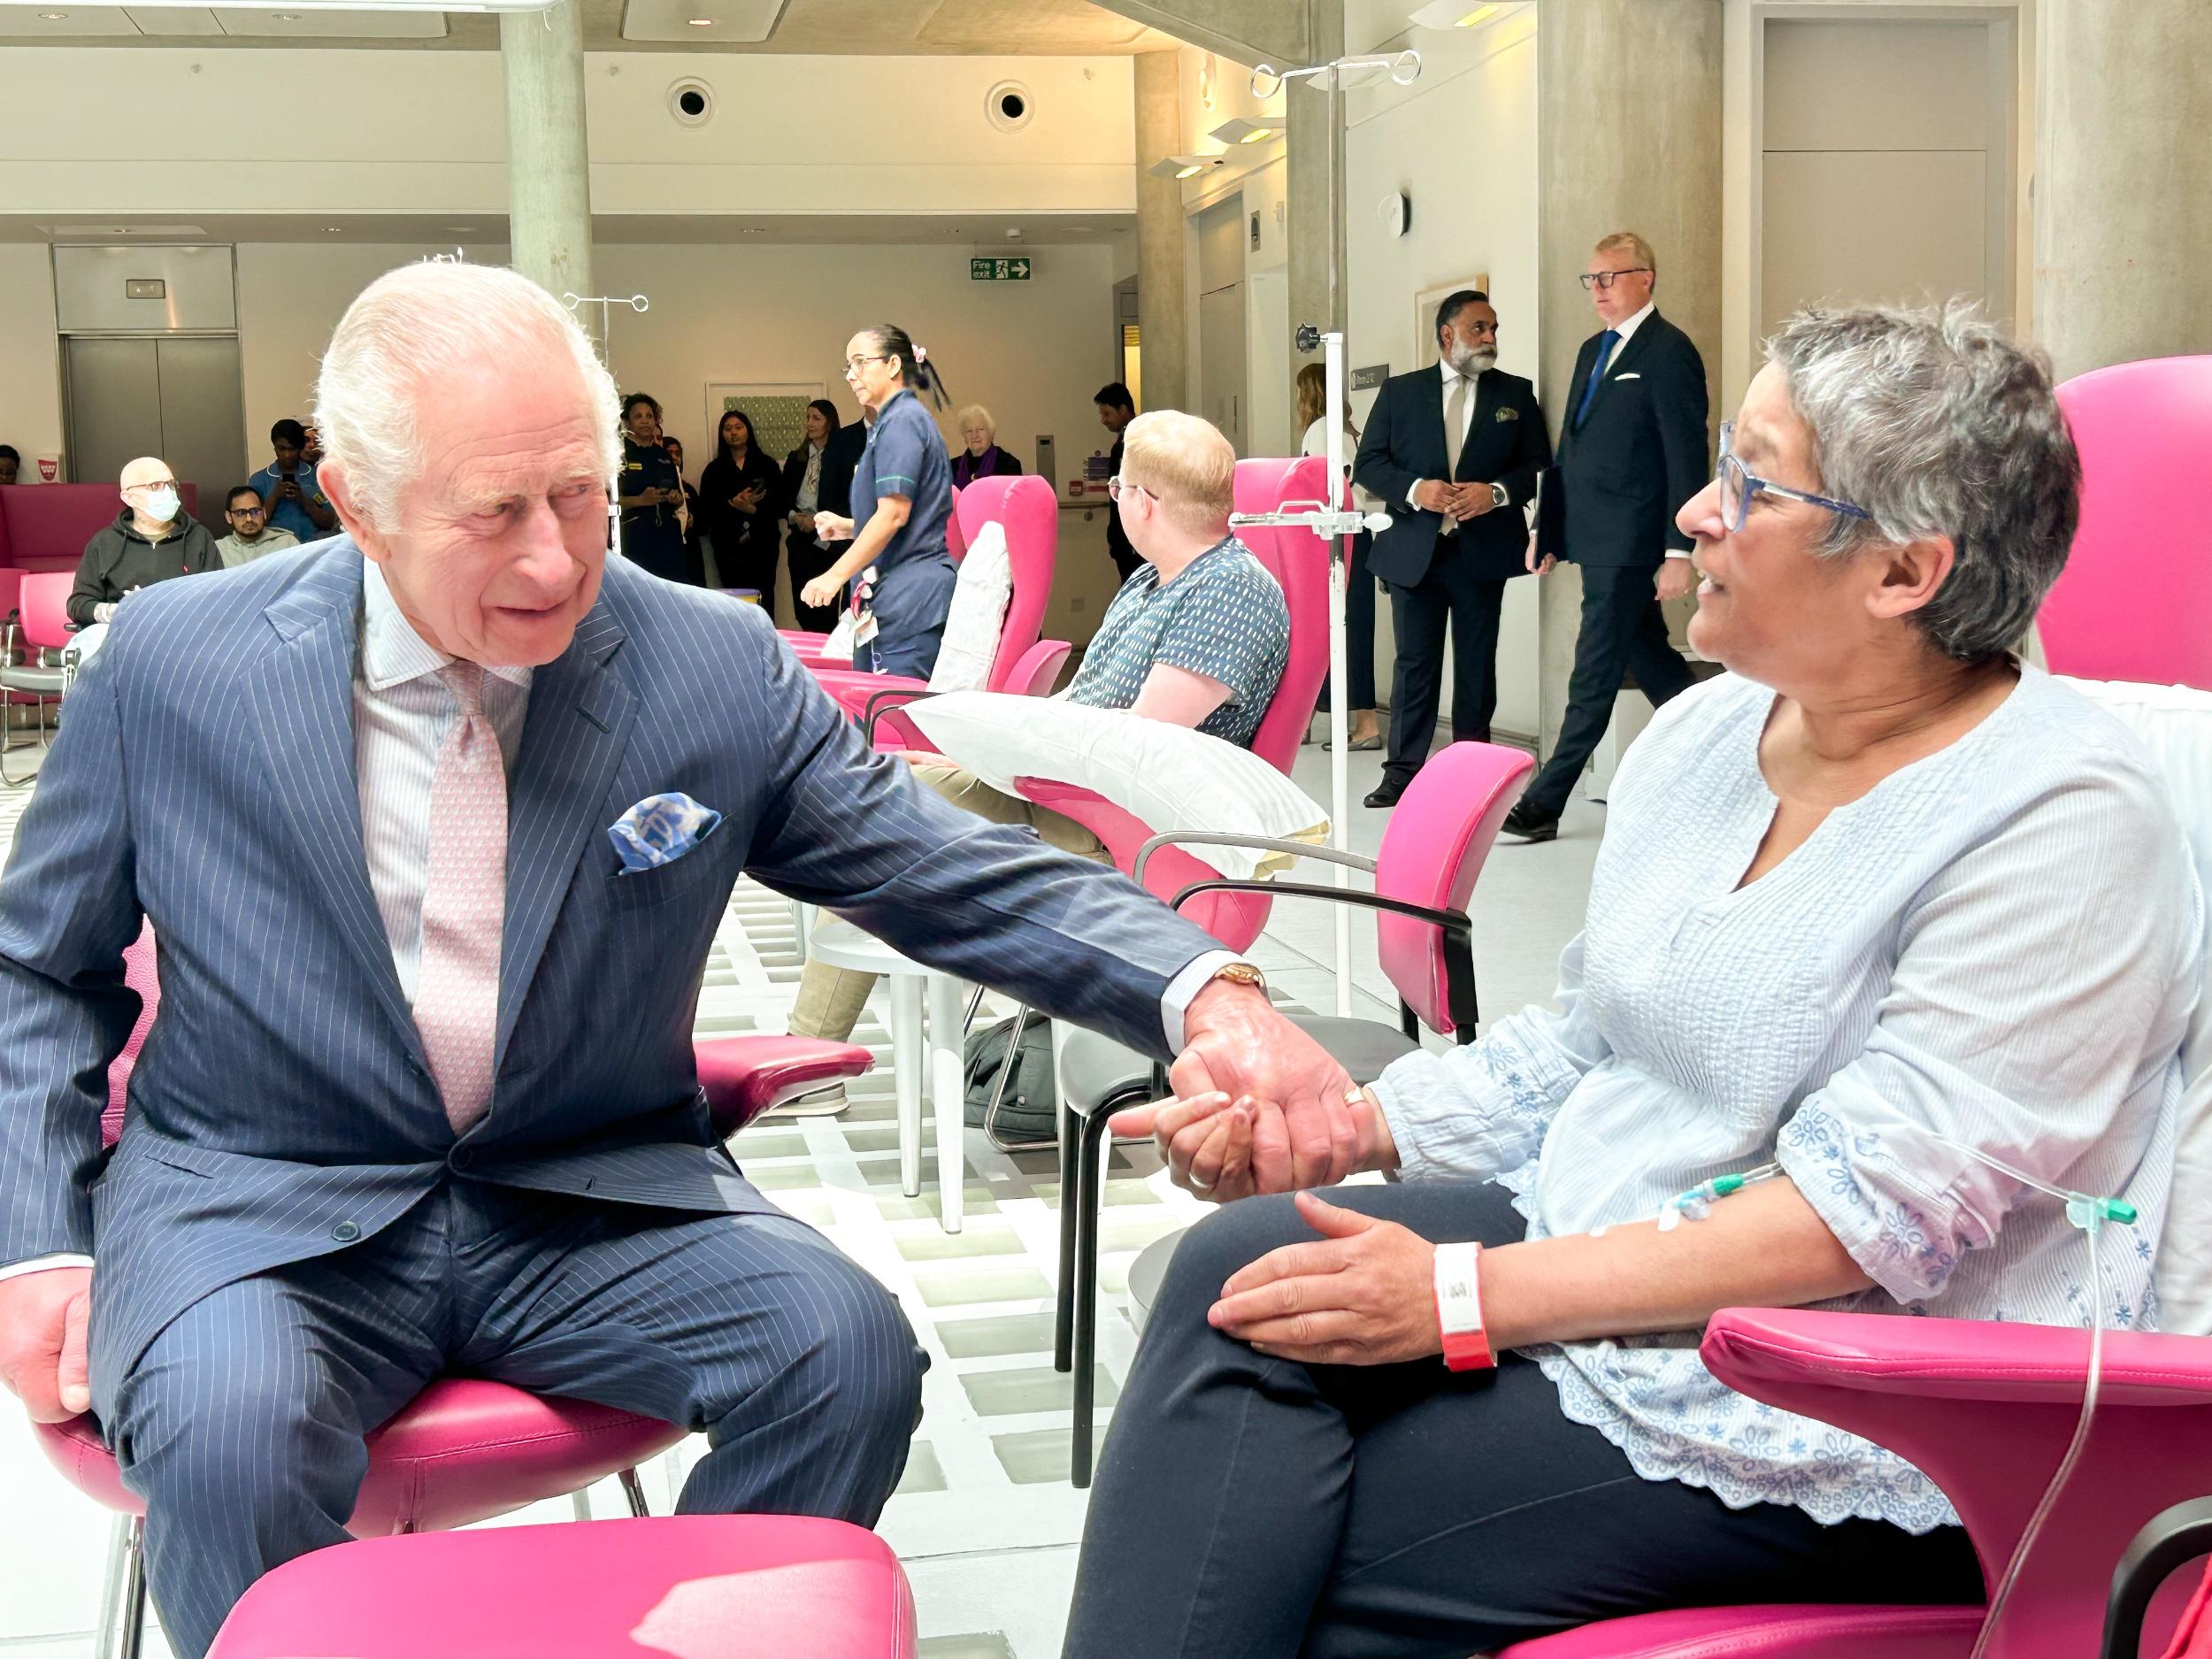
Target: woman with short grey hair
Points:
(1882, 915)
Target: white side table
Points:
(842, 945)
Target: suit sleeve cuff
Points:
(1183, 990)
(41, 1264)
(1678, 553)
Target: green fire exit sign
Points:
(998, 270)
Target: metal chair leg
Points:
(123, 1604)
(580, 1503)
(1063, 1306)
(634, 1492)
(1090, 1199)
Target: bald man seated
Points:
(151, 540)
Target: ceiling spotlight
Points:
(1185, 166)
(334, 229)
(55, 17)
(700, 23)
(465, 230)
(1454, 14)
(286, 17)
(1244, 131)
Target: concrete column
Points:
(548, 162)
(1162, 236)
(1628, 138)
(1313, 146)
(2122, 217)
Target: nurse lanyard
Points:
(2086, 1212)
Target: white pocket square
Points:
(1628, 377)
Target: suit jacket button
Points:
(460, 1157)
(345, 1232)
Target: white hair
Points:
(409, 330)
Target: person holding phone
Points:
(901, 496)
(288, 487)
(738, 496)
(650, 493)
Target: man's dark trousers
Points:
(1623, 632)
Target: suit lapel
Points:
(1624, 355)
(301, 693)
(578, 727)
(1430, 396)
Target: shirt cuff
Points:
(1183, 990)
(41, 1264)
(1677, 553)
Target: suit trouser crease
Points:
(241, 1423)
(1446, 596)
(1270, 1508)
(1623, 631)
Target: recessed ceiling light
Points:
(334, 227)
(464, 228)
(700, 23)
(286, 17)
(55, 17)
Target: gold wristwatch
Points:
(1241, 973)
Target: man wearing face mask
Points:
(1455, 450)
(151, 540)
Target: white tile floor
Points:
(992, 1559)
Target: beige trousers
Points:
(830, 999)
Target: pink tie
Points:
(463, 905)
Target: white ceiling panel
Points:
(750, 21)
(64, 22)
(314, 26)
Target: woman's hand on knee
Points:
(1361, 1294)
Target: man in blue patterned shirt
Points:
(1199, 637)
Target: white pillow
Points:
(2174, 723)
(972, 625)
(1168, 777)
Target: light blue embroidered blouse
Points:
(1998, 944)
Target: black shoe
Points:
(1523, 824)
(1387, 792)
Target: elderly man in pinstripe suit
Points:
(421, 1097)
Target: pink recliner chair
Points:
(464, 1450)
(1022, 664)
(2134, 601)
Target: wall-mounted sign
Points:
(1368, 379)
(1015, 270)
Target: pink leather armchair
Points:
(464, 1450)
(2133, 602)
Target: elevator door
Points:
(178, 398)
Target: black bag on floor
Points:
(1028, 1111)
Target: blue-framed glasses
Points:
(1737, 485)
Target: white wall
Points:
(178, 133)
(30, 364)
(1462, 142)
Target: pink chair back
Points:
(955, 533)
(1297, 560)
(44, 602)
(2133, 601)
(1432, 854)
(138, 974)
(45, 527)
(1025, 510)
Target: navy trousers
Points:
(1447, 595)
(1254, 1508)
(243, 1424)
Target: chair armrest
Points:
(886, 701)
(1217, 838)
(2168, 1540)
(744, 1076)
(1985, 1409)
(1451, 921)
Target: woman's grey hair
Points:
(411, 332)
(1937, 425)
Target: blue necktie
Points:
(1605, 341)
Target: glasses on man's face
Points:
(1116, 487)
(854, 365)
(1606, 279)
(156, 483)
(1737, 485)
(246, 512)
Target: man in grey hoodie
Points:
(151, 540)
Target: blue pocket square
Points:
(659, 830)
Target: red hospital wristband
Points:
(1459, 1307)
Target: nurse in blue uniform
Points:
(901, 497)
(651, 494)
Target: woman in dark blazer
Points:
(737, 496)
(818, 477)
(981, 457)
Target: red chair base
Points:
(706, 1586)
(1768, 1633)
(463, 1451)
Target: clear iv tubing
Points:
(2090, 1215)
